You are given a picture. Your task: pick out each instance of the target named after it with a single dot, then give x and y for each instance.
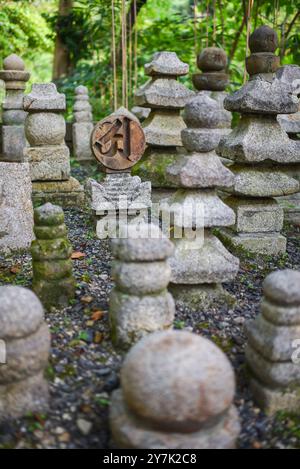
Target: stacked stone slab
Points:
(48, 154)
(273, 347)
(82, 127)
(119, 193)
(212, 82)
(290, 123)
(13, 136)
(142, 113)
(16, 212)
(200, 263)
(26, 336)
(53, 281)
(166, 97)
(140, 302)
(261, 151)
(177, 392)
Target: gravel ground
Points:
(84, 368)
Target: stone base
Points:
(20, 398)
(55, 293)
(132, 317)
(64, 193)
(272, 401)
(272, 244)
(201, 297)
(129, 432)
(16, 211)
(49, 163)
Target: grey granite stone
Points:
(166, 63)
(282, 287)
(49, 163)
(44, 97)
(150, 410)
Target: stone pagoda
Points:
(16, 211)
(166, 97)
(291, 124)
(82, 127)
(118, 142)
(272, 351)
(13, 135)
(200, 263)
(48, 154)
(261, 151)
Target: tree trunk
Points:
(130, 21)
(62, 60)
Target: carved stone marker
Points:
(118, 142)
(177, 391)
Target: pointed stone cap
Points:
(13, 62)
(141, 242)
(166, 63)
(122, 111)
(163, 93)
(44, 97)
(142, 113)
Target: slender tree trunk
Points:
(62, 60)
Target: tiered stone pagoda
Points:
(13, 138)
(261, 151)
(48, 154)
(290, 74)
(118, 142)
(16, 211)
(166, 97)
(82, 127)
(200, 263)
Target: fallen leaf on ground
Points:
(97, 315)
(78, 255)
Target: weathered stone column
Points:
(53, 280)
(82, 127)
(200, 263)
(16, 212)
(48, 154)
(13, 135)
(140, 303)
(273, 347)
(166, 97)
(290, 123)
(177, 391)
(261, 151)
(26, 338)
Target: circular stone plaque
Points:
(118, 142)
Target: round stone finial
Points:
(13, 62)
(212, 59)
(283, 287)
(49, 215)
(263, 39)
(177, 380)
(21, 312)
(81, 90)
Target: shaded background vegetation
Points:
(70, 41)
